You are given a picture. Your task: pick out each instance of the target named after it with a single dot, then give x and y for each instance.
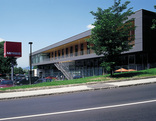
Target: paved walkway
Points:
(69, 89)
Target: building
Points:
(71, 57)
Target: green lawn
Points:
(117, 76)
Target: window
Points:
(66, 52)
(62, 53)
(59, 53)
(88, 49)
(55, 54)
(131, 59)
(52, 55)
(76, 50)
(71, 51)
(132, 34)
(81, 49)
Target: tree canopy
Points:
(5, 63)
(154, 21)
(111, 34)
(18, 70)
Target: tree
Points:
(18, 70)
(154, 21)
(5, 62)
(111, 34)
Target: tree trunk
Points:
(112, 72)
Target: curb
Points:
(89, 88)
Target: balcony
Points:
(41, 60)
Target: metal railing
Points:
(74, 54)
(64, 70)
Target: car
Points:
(77, 77)
(41, 80)
(50, 77)
(26, 81)
(1, 79)
(17, 78)
(6, 83)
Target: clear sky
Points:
(45, 22)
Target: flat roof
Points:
(68, 40)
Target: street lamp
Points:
(30, 61)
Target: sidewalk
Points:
(70, 89)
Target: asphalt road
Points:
(137, 103)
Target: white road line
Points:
(79, 110)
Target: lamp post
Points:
(12, 69)
(30, 62)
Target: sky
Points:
(45, 22)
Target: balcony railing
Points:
(69, 55)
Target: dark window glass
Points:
(76, 50)
(71, 51)
(52, 54)
(66, 52)
(55, 54)
(81, 49)
(88, 49)
(59, 53)
(62, 53)
(131, 59)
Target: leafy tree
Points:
(18, 70)
(111, 34)
(35, 67)
(5, 63)
(154, 21)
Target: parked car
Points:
(1, 79)
(26, 81)
(77, 77)
(41, 80)
(6, 83)
(50, 77)
(17, 78)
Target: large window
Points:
(132, 34)
(131, 59)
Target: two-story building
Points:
(72, 57)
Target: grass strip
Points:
(107, 77)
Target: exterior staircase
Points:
(64, 70)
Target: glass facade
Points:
(70, 51)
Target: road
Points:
(136, 103)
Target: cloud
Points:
(1, 40)
(90, 26)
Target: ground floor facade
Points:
(92, 67)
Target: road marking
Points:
(79, 110)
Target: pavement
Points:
(73, 88)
